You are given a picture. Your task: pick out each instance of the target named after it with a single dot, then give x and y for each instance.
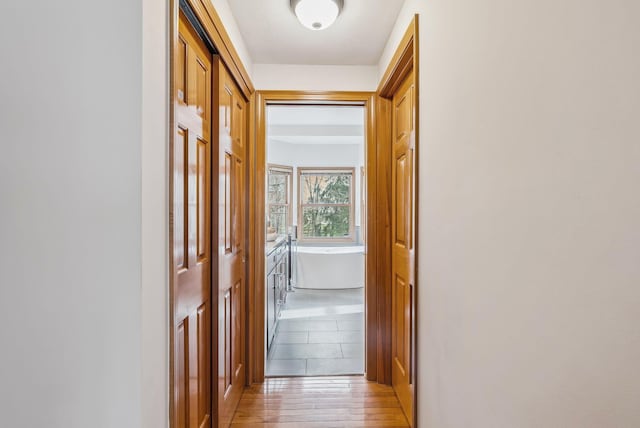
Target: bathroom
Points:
(314, 244)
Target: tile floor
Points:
(321, 332)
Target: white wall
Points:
(70, 228)
(529, 213)
(230, 24)
(155, 237)
(315, 77)
(318, 155)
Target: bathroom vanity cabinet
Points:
(277, 268)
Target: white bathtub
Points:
(330, 267)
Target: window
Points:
(325, 207)
(279, 194)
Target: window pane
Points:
(326, 188)
(278, 218)
(277, 188)
(326, 222)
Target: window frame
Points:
(285, 170)
(348, 170)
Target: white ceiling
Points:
(273, 34)
(315, 124)
(314, 115)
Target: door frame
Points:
(405, 60)
(213, 33)
(377, 164)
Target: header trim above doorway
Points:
(403, 61)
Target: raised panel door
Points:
(190, 224)
(402, 239)
(230, 128)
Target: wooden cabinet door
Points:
(402, 239)
(231, 121)
(191, 222)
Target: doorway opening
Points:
(365, 103)
(315, 218)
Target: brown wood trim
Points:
(317, 97)
(254, 310)
(404, 60)
(352, 208)
(256, 218)
(212, 24)
(380, 237)
(375, 209)
(257, 213)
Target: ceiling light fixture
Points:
(317, 14)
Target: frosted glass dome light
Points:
(317, 14)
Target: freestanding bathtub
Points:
(330, 267)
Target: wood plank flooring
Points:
(322, 402)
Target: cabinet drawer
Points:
(276, 257)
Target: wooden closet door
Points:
(191, 222)
(402, 238)
(231, 128)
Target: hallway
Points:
(133, 178)
(322, 402)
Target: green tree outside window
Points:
(326, 203)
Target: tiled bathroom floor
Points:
(321, 332)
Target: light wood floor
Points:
(322, 402)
